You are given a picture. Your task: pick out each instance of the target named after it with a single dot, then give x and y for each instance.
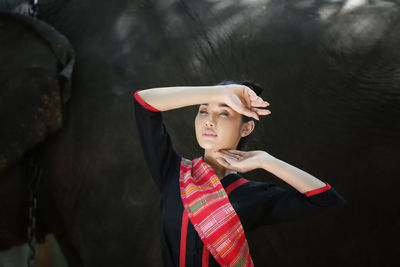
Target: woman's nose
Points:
(210, 122)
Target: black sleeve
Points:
(281, 205)
(156, 143)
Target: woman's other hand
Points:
(245, 101)
(243, 161)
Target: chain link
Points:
(34, 184)
(33, 203)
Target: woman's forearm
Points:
(167, 98)
(297, 178)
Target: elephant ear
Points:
(36, 63)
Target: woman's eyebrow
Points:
(221, 105)
(224, 106)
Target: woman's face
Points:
(219, 127)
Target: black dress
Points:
(256, 203)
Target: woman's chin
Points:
(212, 146)
(209, 146)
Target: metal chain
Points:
(33, 202)
(34, 184)
(34, 8)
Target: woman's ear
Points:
(247, 128)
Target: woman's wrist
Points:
(292, 175)
(266, 161)
(219, 93)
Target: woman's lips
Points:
(209, 133)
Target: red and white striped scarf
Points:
(212, 215)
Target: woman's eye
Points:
(203, 112)
(224, 113)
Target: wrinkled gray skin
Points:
(331, 71)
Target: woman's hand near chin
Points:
(243, 161)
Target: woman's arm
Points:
(299, 179)
(308, 195)
(244, 161)
(239, 97)
(155, 140)
(167, 98)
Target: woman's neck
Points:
(210, 159)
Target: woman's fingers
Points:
(237, 104)
(228, 165)
(259, 102)
(227, 155)
(256, 100)
(247, 104)
(248, 112)
(253, 100)
(236, 152)
(251, 93)
(261, 111)
(223, 162)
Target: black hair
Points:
(244, 141)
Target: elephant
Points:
(36, 85)
(331, 72)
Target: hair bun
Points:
(253, 86)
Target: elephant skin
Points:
(36, 67)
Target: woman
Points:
(200, 224)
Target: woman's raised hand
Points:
(243, 161)
(245, 101)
